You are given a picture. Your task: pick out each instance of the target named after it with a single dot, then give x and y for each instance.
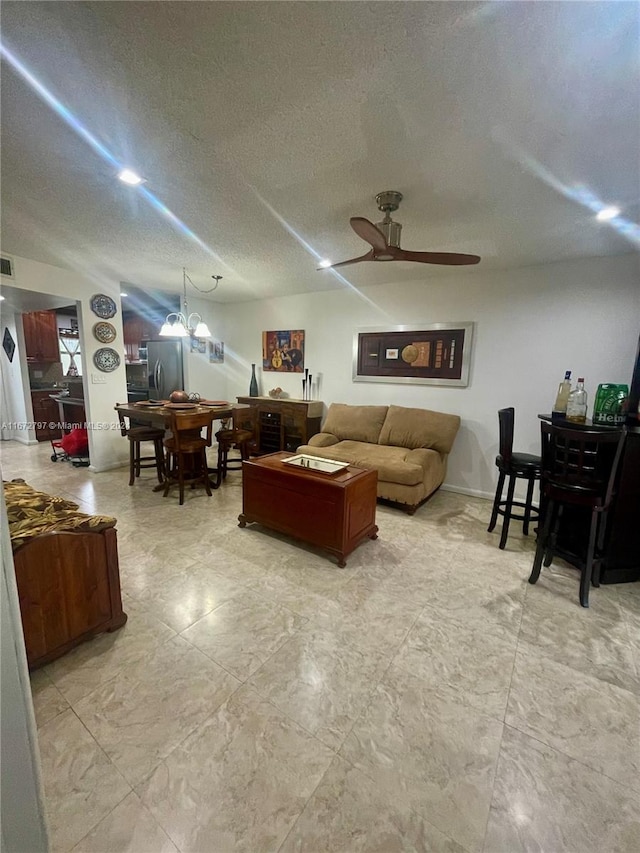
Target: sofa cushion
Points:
(355, 423)
(392, 463)
(413, 428)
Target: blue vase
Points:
(253, 385)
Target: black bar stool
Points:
(579, 468)
(241, 437)
(515, 466)
(136, 435)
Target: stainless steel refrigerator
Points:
(164, 362)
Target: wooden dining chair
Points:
(136, 435)
(187, 451)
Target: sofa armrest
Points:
(323, 439)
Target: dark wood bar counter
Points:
(621, 562)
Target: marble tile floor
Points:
(425, 698)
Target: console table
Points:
(284, 424)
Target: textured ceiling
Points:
(264, 126)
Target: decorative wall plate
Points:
(106, 359)
(104, 332)
(103, 306)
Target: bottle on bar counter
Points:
(562, 398)
(577, 403)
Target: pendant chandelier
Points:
(183, 324)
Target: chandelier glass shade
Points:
(181, 324)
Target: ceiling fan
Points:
(384, 239)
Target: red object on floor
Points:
(76, 443)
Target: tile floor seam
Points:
(573, 758)
(117, 769)
(530, 647)
(217, 663)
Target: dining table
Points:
(160, 416)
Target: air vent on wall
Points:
(6, 266)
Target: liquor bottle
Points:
(562, 398)
(577, 403)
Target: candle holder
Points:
(307, 385)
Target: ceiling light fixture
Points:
(183, 324)
(325, 264)
(128, 176)
(607, 213)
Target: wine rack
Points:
(284, 424)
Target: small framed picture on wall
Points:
(216, 352)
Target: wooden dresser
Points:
(284, 424)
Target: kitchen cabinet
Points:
(45, 411)
(284, 424)
(136, 331)
(41, 336)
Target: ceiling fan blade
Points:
(367, 257)
(446, 258)
(368, 232)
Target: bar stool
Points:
(136, 435)
(186, 451)
(239, 437)
(515, 466)
(579, 468)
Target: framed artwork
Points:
(283, 351)
(198, 345)
(436, 354)
(216, 352)
(8, 344)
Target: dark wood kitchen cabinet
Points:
(41, 336)
(136, 331)
(45, 411)
(284, 424)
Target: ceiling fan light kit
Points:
(384, 239)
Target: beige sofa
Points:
(407, 447)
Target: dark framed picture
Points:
(8, 344)
(198, 345)
(216, 352)
(434, 354)
(283, 351)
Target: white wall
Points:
(106, 447)
(531, 325)
(22, 813)
(200, 376)
(16, 406)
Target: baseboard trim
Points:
(474, 493)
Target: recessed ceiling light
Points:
(607, 213)
(1, 298)
(325, 264)
(128, 176)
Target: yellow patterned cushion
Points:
(31, 513)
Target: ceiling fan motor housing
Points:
(391, 231)
(387, 202)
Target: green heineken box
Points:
(610, 407)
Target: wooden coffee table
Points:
(333, 511)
